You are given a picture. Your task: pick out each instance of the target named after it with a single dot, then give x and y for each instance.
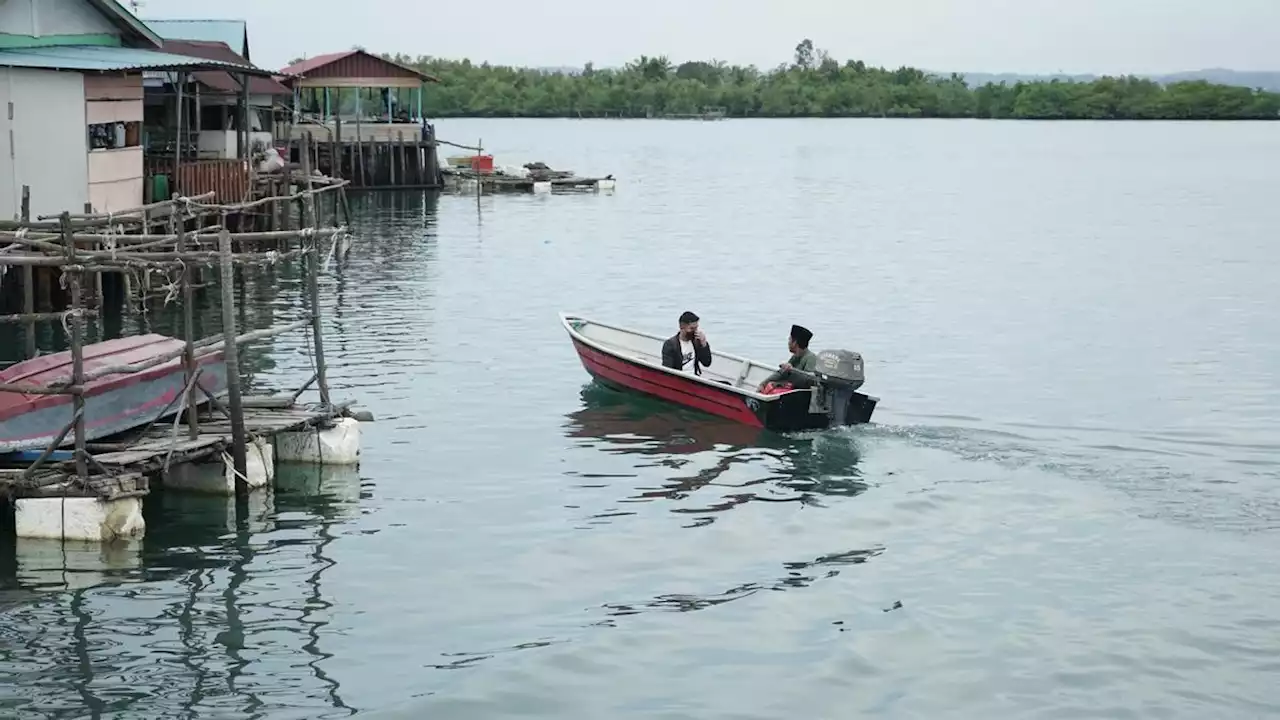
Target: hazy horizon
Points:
(1031, 37)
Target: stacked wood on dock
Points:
(84, 247)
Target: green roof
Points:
(232, 32)
(113, 59)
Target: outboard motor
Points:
(839, 374)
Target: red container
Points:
(482, 163)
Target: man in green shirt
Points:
(797, 371)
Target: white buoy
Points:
(84, 519)
(337, 445)
(607, 185)
(218, 476)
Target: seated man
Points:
(688, 349)
(796, 372)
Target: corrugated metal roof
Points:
(310, 65)
(218, 80)
(101, 58)
(231, 32)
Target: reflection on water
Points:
(709, 466)
(734, 463)
(207, 615)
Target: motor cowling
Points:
(840, 368)
(839, 374)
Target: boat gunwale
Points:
(760, 397)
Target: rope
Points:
(174, 287)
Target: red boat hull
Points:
(113, 403)
(618, 372)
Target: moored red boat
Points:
(113, 403)
(630, 360)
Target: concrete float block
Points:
(338, 445)
(218, 476)
(82, 519)
(542, 187)
(607, 185)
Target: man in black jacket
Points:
(688, 349)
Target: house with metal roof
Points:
(367, 96)
(71, 82)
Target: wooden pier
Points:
(98, 485)
(403, 162)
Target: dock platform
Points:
(123, 466)
(466, 181)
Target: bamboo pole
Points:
(157, 260)
(246, 152)
(188, 334)
(238, 450)
(335, 145)
(43, 241)
(38, 317)
(121, 215)
(202, 348)
(177, 140)
(28, 281)
(76, 421)
(313, 289)
(40, 389)
(99, 296)
(77, 352)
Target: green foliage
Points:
(814, 85)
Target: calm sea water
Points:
(1067, 505)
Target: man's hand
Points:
(700, 337)
(785, 367)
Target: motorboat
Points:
(631, 360)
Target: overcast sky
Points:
(1028, 36)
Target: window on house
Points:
(112, 136)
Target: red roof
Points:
(301, 67)
(218, 80)
(310, 65)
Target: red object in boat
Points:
(776, 388)
(482, 163)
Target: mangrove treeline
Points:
(814, 85)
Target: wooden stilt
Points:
(28, 281)
(77, 349)
(239, 453)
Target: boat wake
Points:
(1194, 479)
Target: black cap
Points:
(688, 317)
(801, 335)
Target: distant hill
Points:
(1266, 80)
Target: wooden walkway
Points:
(121, 468)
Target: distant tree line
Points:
(815, 85)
